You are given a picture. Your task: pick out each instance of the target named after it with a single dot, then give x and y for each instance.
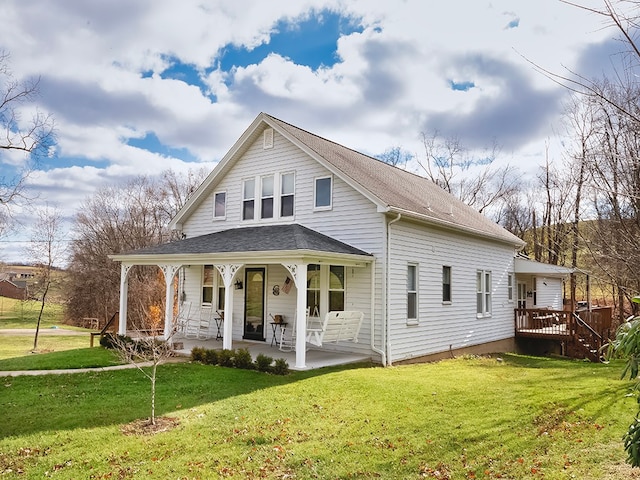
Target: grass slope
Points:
(468, 418)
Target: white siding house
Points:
(289, 221)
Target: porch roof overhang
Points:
(290, 243)
(531, 267)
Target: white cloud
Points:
(392, 80)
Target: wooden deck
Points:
(581, 334)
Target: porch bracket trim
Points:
(169, 272)
(124, 291)
(228, 272)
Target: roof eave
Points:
(532, 267)
(516, 242)
(275, 256)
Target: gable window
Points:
(510, 287)
(219, 205)
(336, 288)
(323, 193)
(287, 188)
(412, 293)
(266, 204)
(248, 198)
(446, 284)
(483, 293)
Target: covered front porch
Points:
(242, 279)
(315, 358)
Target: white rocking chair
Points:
(288, 337)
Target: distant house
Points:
(289, 222)
(12, 288)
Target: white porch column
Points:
(124, 293)
(299, 273)
(228, 273)
(169, 272)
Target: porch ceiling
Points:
(531, 267)
(267, 243)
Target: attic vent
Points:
(267, 141)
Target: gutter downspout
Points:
(382, 353)
(386, 289)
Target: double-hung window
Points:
(446, 284)
(412, 293)
(219, 205)
(287, 191)
(336, 288)
(207, 284)
(323, 193)
(266, 203)
(510, 287)
(248, 198)
(483, 293)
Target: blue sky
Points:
(137, 88)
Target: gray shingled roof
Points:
(254, 239)
(397, 188)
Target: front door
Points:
(254, 303)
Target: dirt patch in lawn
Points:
(145, 427)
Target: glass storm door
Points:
(254, 303)
(522, 295)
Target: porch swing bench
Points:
(337, 327)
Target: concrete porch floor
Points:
(315, 358)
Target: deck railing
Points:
(543, 322)
(581, 334)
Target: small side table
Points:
(219, 321)
(277, 328)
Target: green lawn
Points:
(469, 418)
(15, 314)
(24, 314)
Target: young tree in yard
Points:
(46, 249)
(146, 354)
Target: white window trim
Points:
(256, 184)
(293, 194)
(208, 285)
(222, 217)
(323, 207)
(487, 293)
(450, 301)
(511, 280)
(344, 283)
(277, 196)
(272, 197)
(416, 320)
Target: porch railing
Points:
(582, 333)
(534, 322)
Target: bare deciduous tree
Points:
(116, 220)
(474, 180)
(46, 249)
(18, 135)
(395, 156)
(146, 354)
